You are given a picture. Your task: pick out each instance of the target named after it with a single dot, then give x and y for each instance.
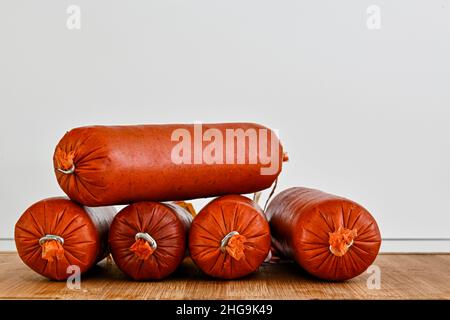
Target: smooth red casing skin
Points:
(85, 233)
(168, 224)
(214, 222)
(114, 165)
(301, 220)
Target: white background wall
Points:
(363, 113)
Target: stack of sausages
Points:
(153, 169)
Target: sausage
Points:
(230, 237)
(148, 240)
(110, 165)
(56, 233)
(331, 237)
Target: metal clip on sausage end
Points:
(49, 237)
(224, 242)
(145, 236)
(340, 254)
(70, 171)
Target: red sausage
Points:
(148, 239)
(109, 165)
(230, 237)
(331, 237)
(56, 233)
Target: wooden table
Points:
(403, 276)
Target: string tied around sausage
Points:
(272, 192)
(64, 161)
(233, 244)
(52, 247)
(341, 240)
(257, 195)
(144, 246)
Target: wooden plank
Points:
(402, 277)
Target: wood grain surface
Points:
(403, 276)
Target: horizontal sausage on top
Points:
(110, 165)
